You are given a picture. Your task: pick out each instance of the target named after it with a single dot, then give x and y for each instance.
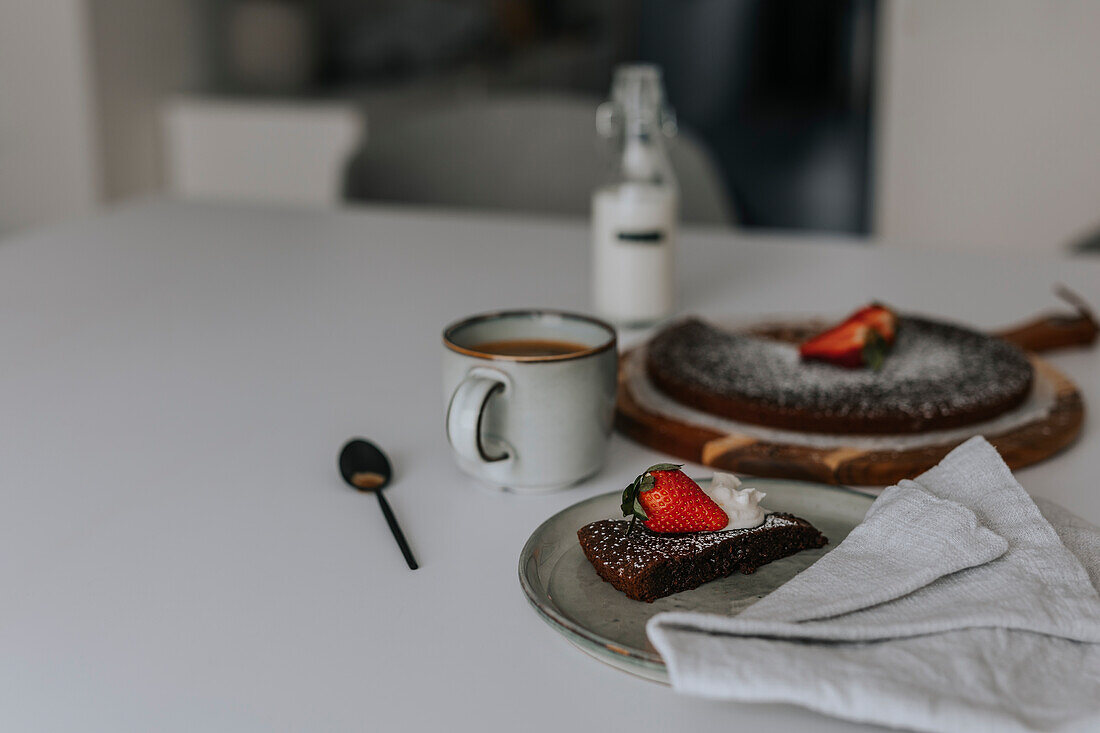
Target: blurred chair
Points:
(282, 152)
(535, 154)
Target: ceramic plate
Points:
(563, 587)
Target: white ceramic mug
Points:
(529, 423)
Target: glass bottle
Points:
(634, 215)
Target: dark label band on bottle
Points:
(654, 236)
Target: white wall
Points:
(144, 51)
(989, 123)
(81, 87)
(49, 166)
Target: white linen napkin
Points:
(957, 605)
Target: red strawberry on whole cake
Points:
(880, 318)
(863, 339)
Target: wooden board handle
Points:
(1056, 330)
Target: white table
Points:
(177, 551)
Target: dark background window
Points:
(780, 91)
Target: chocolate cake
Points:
(937, 376)
(649, 565)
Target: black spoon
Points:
(365, 467)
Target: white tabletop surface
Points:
(177, 551)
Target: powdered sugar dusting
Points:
(625, 556)
(934, 369)
(1037, 406)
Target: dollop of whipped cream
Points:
(742, 506)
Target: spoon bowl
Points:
(364, 466)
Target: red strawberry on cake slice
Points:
(666, 500)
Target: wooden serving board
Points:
(853, 464)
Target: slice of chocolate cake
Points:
(648, 565)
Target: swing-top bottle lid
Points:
(637, 101)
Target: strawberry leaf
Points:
(631, 506)
(630, 494)
(664, 467)
(875, 350)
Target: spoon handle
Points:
(396, 529)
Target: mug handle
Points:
(466, 411)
